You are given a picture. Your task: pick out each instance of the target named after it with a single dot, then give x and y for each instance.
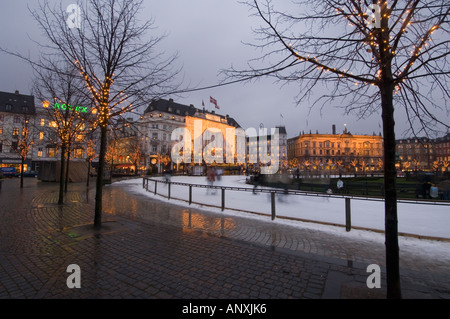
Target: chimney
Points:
(17, 92)
(171, 100)
(334, 129)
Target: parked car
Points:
(30, 174)
(9, 172)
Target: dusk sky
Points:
(208, 35)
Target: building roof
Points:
(169, 106)
(443, 139)
(17, 103)
(343, 135)
(414, 140)
(281, 129)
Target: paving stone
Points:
(147, 249)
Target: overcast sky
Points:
(208, 36)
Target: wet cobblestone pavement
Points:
(151, 249)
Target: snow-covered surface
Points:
(429, 220)
(426, 220)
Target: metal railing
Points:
(164, 188)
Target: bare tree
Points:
(117, 59)
(24, 144)
(65, 101)
(394, 55)
(134, 153)
(90, 155)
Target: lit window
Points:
(42, 122)
(79, 138)
(51, 152)
(78, 153)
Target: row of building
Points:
(147, 144)
(362, 153)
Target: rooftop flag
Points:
(214, 101)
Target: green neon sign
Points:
(79, 109)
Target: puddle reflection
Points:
(120, 202)
(198, 221)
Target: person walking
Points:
(211, 178)
(340, 185)
(256, 180)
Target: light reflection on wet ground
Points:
(31, 228)
(118, 201)
(121, 201)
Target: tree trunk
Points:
(67, 169)
(390, 172)
(111, 169)
(21, 172)
(99, 186)
(391, 221)
(89, 172)
(61, 175)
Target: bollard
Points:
(156, 184)
(348, 222)
(190, 194)
(223, 199)
(272, 196)
(168, 190)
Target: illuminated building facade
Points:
(162, 117)
(16, 112)
(442, 147)
(415, 153)
(279, 148)
(344, 153)
(46, 152)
